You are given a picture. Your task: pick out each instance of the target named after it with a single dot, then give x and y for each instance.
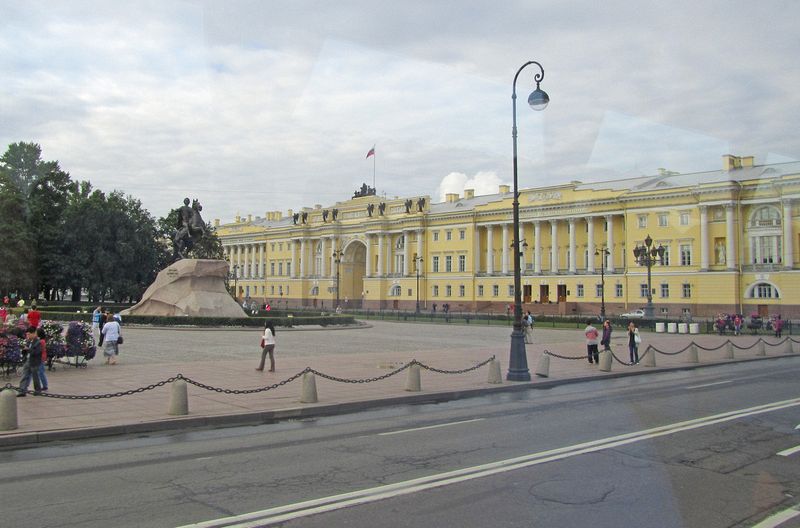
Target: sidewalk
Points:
(448, 348)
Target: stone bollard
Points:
(693, 358)
(8, 410)
(543, 367)
(761, 348)
(494, 372)
(309, 388)
(649, 359)
(728, 350)
(179, 398)
(413, 383)
(605, 360)
(788, 346)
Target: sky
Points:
(254, 106)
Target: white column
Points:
(572, 257)
(537, 247)
(368, 241)
(326, 257)
(504, 262)
(245, 261)
(380, 255)
(253, 262)
(262, 263)
(238, 261)
(610, 243)
(406, 253)
(788, 242)
(489, 249)
(730, 246)
(554, 246)
(476, 250)
(294, 258)
(303, 258)
(420, 235)
(590, 244)
(704, 252)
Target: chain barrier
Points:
(734, 345)
(245, 391)
(564, 357)
(710, 349)
(684, 349)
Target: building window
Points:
(272, 290)
(448, 291)
(687, 290)
(684, 219)
(510, 290)
(462, 234)
(662, 220)
(686, 254)
(618, 290)
(435, 291)
(665, 261)
(280, 268)
(462, 263)
(448, 264)
(664, 290)
(288, 268)
(395, 291)
(495, 290)
(763, 290)
(480, 290)
(435, 264)
(280, 246)
(579, 290)
(642, 221)
(448, 235)
(643, 290)
(435, 236)
(462, 291)
(272, 268)
(766, 217)
(598, 290)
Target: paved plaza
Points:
(226, 359)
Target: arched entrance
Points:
(354, 267)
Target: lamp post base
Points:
(518, 361)
(649, 311)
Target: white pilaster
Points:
(572, 256)
(788, 242)
(368, 242)
(704, 252)
(590, 244)
(294, 258)
(504, 263)
(554, 246)
(406, 253)
(380, 255)
(730, 241)
(489, 249)
(610, 243)
(537, 246)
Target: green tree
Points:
(16, 250)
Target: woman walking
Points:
(268, 347)
(606, 340)
(110, 335)
(633, 342)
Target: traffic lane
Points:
(648, 483)
(287, 462)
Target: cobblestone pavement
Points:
(226, 358)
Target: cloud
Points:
(482, 183)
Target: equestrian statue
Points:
(190, 229)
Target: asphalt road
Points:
(638, 451)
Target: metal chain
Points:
(366, 380)
(563, 357)
(622, 362)
(95, 396)
(684, 349)
(734, 345)
(246, 391)
(462, 371)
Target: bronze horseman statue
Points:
(191, 229)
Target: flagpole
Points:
(373, 172)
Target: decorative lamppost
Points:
(518, 361)
(417, 264)
(603, 252)
(337, 259)
(235, 276)
(647, 255)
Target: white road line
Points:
(790, 451)
(430, 427)
(778, 519)
(710, 384)
(301, 509)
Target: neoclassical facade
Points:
(728, 239)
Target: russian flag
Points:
(371, 152)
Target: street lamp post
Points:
(235, 276)
(647, 255)
(418, 263)
(337, 259)
(603, 252)
(518, 361)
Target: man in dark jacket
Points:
(33, 346)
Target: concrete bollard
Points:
(761, 348)
(495, 376)
(605, 360)
(788, 346)
(543, 367)
(413, 383)
(309, 394)
(8, 410)
(693, 358)
(179, 398)
(728, 350)
(649, 359)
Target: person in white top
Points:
(111, 333)
(268, 347)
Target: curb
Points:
(310, 411)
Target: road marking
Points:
(710, 384)
(778, 519)
(790, 451)
(430, 427)
(288, 512)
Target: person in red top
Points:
(42, 377)
(34, 317)
(3, 314)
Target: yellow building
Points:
(728, 239)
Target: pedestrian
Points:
(777, 325)
(737, 325)
(103, 319)
(527, 322)
(268, 347)
(3, 314)
(633, 342)
(34, 316)
(110, 335)
(42, 376)
(606, 340)
(33, 346)
(23, 318)
(591, 334)
(96, 323)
